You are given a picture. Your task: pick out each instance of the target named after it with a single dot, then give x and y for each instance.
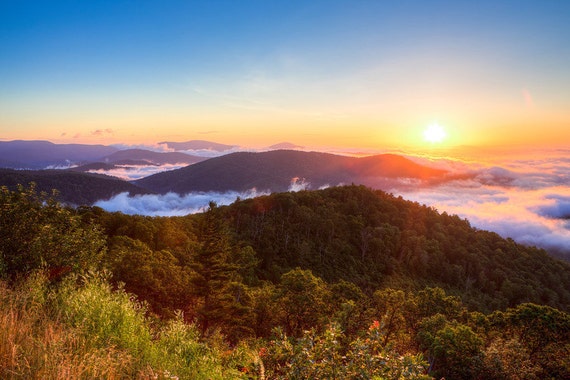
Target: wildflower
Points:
(374, 326)
(262, 352)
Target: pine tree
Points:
(223, 299)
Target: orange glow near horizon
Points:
(369, 128)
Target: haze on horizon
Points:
(321, 73)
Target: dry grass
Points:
(34, 346)
(94, 333)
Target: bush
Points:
(36, 232)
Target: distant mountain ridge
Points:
(150, 157)
(285, 145)
(197, 145)
(38, 154)
(274, 171)
(22, 154)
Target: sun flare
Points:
(434, 134)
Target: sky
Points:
(365, 74)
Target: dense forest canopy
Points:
(345, 282)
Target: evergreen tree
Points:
(222, 298)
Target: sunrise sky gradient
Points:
(369, 74)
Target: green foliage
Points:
(36, 232)
(354, 283)
(456, 352)
(71, 331)
(155, 276)
(111, 317)
(222, 298)
(303, 300)
(324, 356)
(373, 239)
(544, 334)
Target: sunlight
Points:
(434, 134)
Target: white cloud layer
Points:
(172, 204)
(526, 200)
(134, 172)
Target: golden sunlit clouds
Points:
(434, 133)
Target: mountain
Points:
(275, 171)
(129, 156)
(74, 187)
(374, 239)
(285, 145)
(198, 145)
(19, 154)
(341, 283)
(93, 166)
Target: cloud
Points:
(161, 148)
(68, 165)
(213, 153)
(528, 201)
(102, 132)
(172, 204)
(298, 184)
(559, 209)
(134, 172)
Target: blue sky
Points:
(336, 72)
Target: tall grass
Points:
(92, 331)
(35, 346)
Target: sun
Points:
(434, 133)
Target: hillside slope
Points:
(74, 187)
(374, 240)
(275, 171)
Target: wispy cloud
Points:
(102, 132)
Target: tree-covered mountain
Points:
(73, 187)
(275, 170)
(345, 282)
(374, 239)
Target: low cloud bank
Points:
(172, 204)
(526, 200)
(162, 148)
(134, 172)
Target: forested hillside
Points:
(374, 239)
(345, 283)
(274, 171)
(73, 187)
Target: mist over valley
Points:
(527, 200)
